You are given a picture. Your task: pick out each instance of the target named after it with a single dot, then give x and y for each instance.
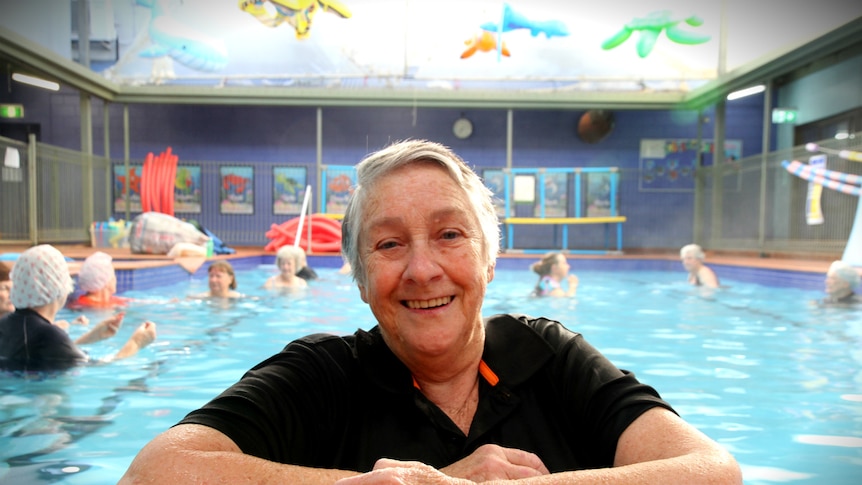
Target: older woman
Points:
(289, 259)
(435, 393)
(98, 280)
(29, 340)
(221, 280)
(699, 274)
(841, 281)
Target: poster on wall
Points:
(288, 189)
(555, 195)
(236, 189)
(668, 165)
(339, 184)
(495, 180)
(599, 194)
(187, 189)
(127, 182)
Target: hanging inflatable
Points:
(325, 234)
(846, 183)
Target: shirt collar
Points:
(513, 352)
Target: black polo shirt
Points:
(345, 401)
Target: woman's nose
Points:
(422, 265)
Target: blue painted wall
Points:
(264, 137)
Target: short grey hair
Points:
(692, 249)
(378, 165)
(289, 251)
(845, 271)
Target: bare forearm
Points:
(191, 453)
(679, 470)
(224, 467)
(90, 337)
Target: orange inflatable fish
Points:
(485, 42)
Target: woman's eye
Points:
(387, 245)
(451, 234)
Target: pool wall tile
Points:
(146, 278)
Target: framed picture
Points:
(187, 189)
(288, 190)
(236, 189)
(127, 184)
(338, 183)
(495, 180)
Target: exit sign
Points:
(11, 110)
(784, 115)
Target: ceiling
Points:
(618, 55)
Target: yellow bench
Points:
(510, 222)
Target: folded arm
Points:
(191, 453)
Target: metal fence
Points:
(772, 210)
(54, 194)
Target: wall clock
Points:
(462, 128)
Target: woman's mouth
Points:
(425, 304)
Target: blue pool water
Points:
(773, 378)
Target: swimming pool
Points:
(775, 379)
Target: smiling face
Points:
(426, 269)
(288, 268)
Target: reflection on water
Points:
(775, 379)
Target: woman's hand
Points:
(105, 329)
(143, 336)
(396, 472)
(492, 462)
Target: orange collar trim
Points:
(484, 371)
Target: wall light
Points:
(35, 81)
(746, 92)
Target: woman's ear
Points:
(491, 273)
(362, 293)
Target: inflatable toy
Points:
(651, 26)
(846, 183)
(845, 154)
(157, 233)
(484, 42)
(170, 37)
(297, 13)
(325, 234)
(513, 20)
(840, 181)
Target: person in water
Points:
(98, 280)
(288, 260)
(699, 274)
(29, 339)
(221, 279)
(554, 277)
(435, 392)
(841, 281)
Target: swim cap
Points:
(96, 272)
(40, 276)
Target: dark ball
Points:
(595, 125)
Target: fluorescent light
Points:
(746, 92)
(35, 81)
